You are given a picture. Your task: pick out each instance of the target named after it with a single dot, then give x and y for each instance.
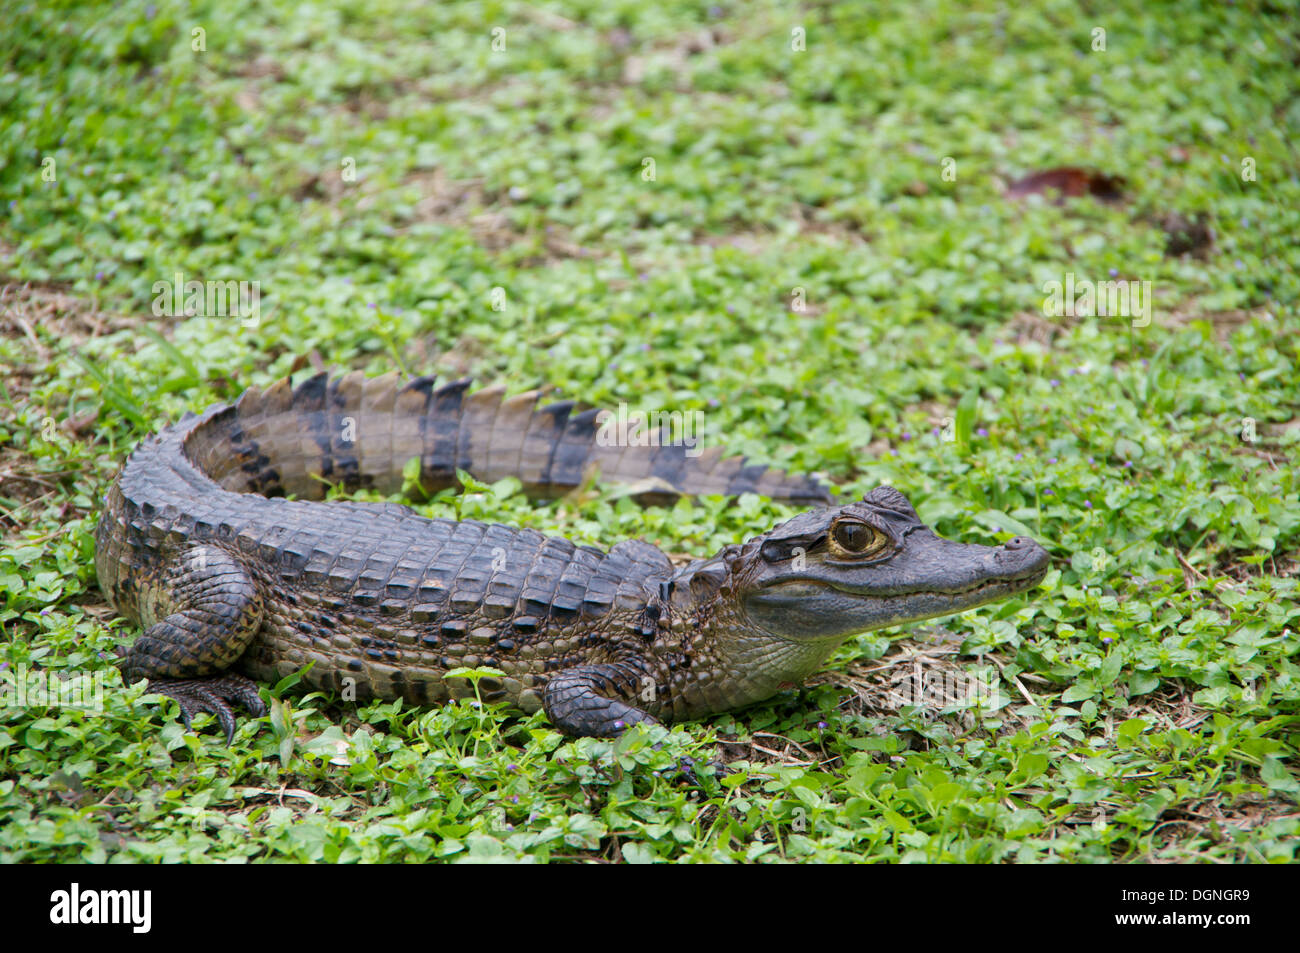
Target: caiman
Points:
(217, 541)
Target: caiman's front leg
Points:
(596, 700)
(213, 610)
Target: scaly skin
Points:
(198, 547)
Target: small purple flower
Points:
(1145, 362)
(1091, 460)
(619, 726)
(99, 276)
(714, 402)
(512, 767)
(1019, 456)
(1114, 272)
(45, 611)
(645, 347)
(642, 276)
(822, 724)
(1048, 493)
(1107, 640)
(370, 305)
(906, 435)
(1128, 464)
(514, 799)
(981, 432)
(1239, 263)
(1087, 504)
(731, 309)
(1241, 375)
(1051, 460)
(1054, 382)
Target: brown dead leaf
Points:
(1069, 182)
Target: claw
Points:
(212, 695)
(685, 770)
(686, 766)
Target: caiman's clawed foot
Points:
(212, 695)
(594, 701)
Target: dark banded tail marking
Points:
(362, 432)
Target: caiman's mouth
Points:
(878, 606)
(1008, 584)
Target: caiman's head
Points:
(834, 573)
(779, 604)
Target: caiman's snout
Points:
(1023, 555)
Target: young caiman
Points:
(228, 578)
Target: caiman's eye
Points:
(858, 539)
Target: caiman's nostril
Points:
(1020, 542)
(1025, 552)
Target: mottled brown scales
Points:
(200, 547)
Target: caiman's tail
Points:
(361, 432)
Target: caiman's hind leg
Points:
(595, 700)
(213, 610)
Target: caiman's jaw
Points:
(831, 574)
